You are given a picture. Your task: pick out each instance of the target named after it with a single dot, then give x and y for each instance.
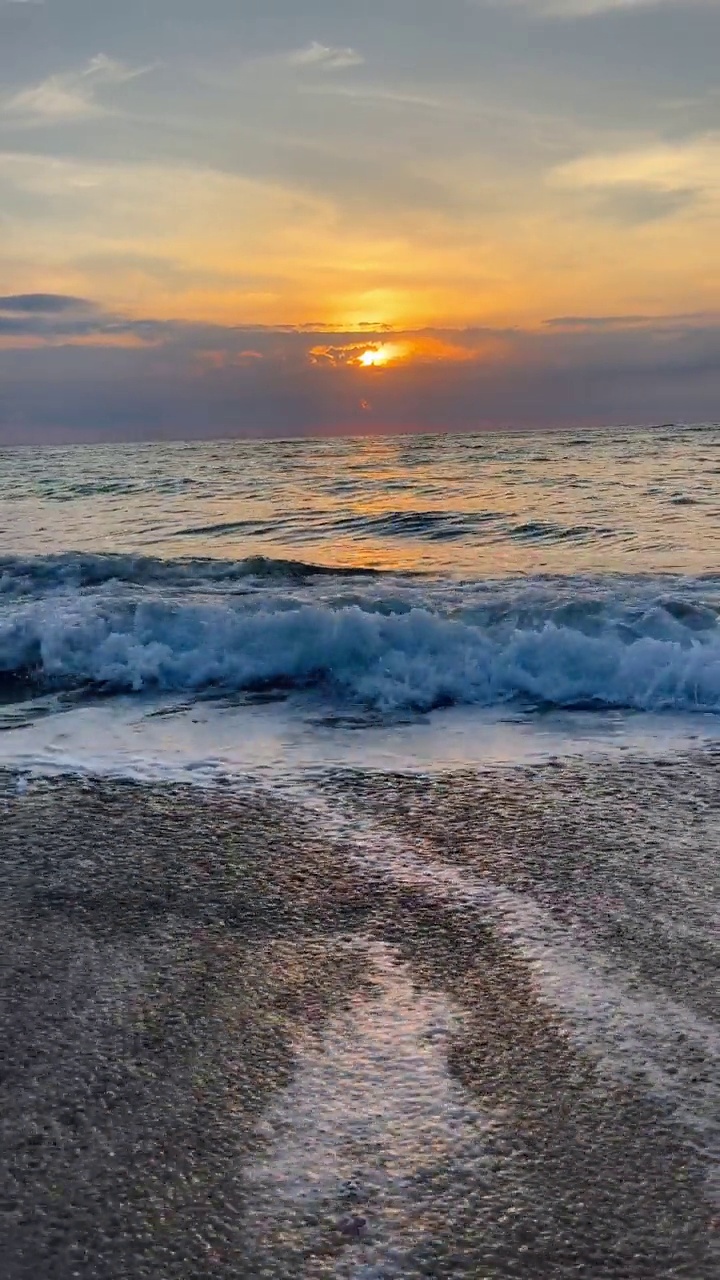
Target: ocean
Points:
(362, 854)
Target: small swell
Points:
(435, 525)
(78, 571)
(547, 531)
(250, 528)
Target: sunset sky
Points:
(267, 217)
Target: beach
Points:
(359, 640)
(469, 1029)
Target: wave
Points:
(78, 571)
(435, 525)
(249, 528)
(565, 654)
(416, 524)
(60, 488)
(549, 531)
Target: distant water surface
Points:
(467, 506)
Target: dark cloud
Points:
(57, 318)
(103, 377)
(633, 322)
(42, 303)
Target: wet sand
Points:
(232, 1045)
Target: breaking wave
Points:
(128, 624)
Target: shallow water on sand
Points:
(374, 1026)
(369, 1132)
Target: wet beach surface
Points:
(452, 1026)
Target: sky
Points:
(273, 218)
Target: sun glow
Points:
(376, 357)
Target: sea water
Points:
(362, 588)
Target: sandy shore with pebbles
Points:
(233, 1045)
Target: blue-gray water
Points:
(391, 575)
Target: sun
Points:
(377, 357)
(374, 357)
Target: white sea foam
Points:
(415, 648)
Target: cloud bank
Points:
(70, 371)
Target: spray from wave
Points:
(113, 624)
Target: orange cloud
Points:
(430, 350)
(420, 349)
